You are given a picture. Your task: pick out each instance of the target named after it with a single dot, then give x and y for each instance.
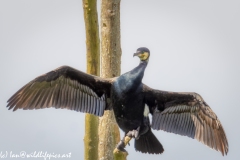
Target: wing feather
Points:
(182, 124)
(65, 88)
(186, 114)
(44, 100)
(78, 99)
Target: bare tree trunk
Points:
(109, 134)
(93, 67)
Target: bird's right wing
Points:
(186, 114)
(64, 87)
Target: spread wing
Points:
(186, 114)
(64, 87)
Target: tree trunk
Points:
(93, 67)
(109, 134)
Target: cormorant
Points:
(181, 113)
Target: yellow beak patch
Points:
(144, 56)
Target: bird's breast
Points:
(128, 105)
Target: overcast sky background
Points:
(195, 46)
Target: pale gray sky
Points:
(195, 46)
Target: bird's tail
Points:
(148, 143)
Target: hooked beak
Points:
(136, 54)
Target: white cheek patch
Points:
(146, 111)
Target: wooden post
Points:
(109, 134)
(93, 67)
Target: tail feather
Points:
(148, 143)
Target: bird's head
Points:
(143, 53)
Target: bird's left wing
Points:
(186, 114)
(64, 87)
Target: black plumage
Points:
(181, 113)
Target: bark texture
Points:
(93, 67)
(109, 134)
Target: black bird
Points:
(181, 113)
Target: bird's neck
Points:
(138, 72)
(131, 80)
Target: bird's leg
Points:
(119, 151)
(134, 133)
(131, 134)
(121, 145)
